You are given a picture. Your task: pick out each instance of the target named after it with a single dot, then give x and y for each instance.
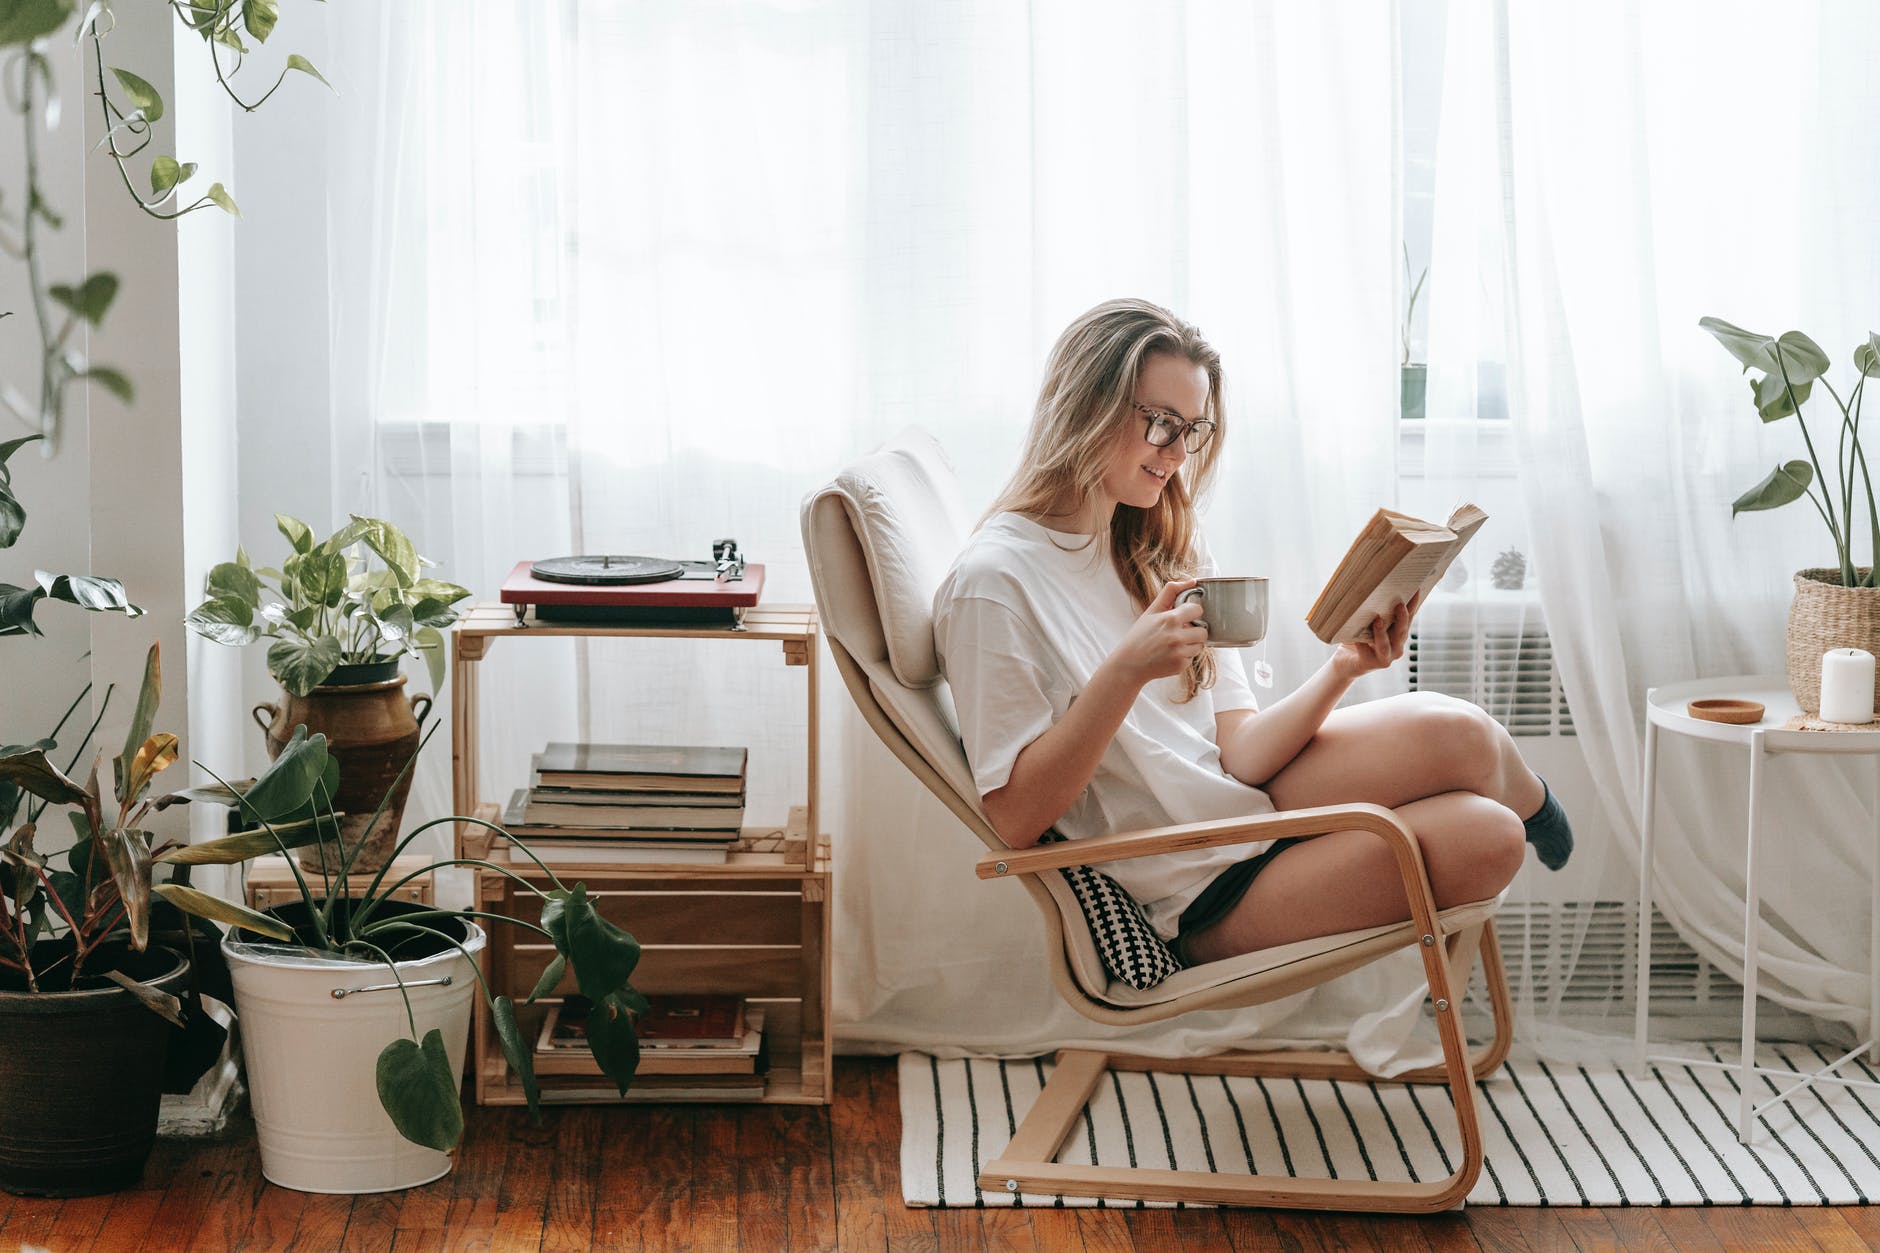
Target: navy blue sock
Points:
(1548, 831)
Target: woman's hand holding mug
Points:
(1164, 639)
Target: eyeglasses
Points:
(1163, 428)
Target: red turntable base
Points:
(696, 601)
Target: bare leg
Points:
(1403, 748)
(1472, 847)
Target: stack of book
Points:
(701, 1047)
(622, 804)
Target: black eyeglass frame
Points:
(1182, 430)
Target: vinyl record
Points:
(602, 570)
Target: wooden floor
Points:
(764, 1179)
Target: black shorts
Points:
(1222, 894)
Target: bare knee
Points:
(1463, 738)
(1477, 851)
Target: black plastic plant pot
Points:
(83, 1075)
(365, 672)
(402, 946)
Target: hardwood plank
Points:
(522, 1197)
(254, 1214)
(373, 1223)
(1535, 1229)
(1177, 1231)
(417, 1240)
(810, 1207)
(763, 1182)
(1398, 1233)
(714, 1176)
(859, 1165)
(323, 1223)
(645, 1184)
(1055, 1230)
(905, 1226)
(1442, 1233)
(29, 1222)
(959, 1230)
(1105, 1230)
(127, 1227)
(1827, 1228)
(80, 1220)
(1752, 1227)
(197, 1178)
(470, 1224)
(1683, 1227)
(568, 1224)
(1251, 1229)
(1864, 1222)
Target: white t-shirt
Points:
(1021, 622)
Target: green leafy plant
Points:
(1790, 366)
(328, 606)
(84, 590)
(62, 926)
(290, 806)
(129, 108)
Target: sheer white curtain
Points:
(1608, 174)
(633, 277)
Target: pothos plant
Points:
(65, 918)
(291, 805)
(1790, 366)
(129, 108)
(328, 605)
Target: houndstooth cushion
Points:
(1130, 948)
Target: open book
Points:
(1394, 557)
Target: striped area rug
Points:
(1554, 1135)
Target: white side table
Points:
(1665, 711)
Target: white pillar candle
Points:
(1846, 685)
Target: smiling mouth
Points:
(1160, 476)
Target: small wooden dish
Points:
(1739, 711)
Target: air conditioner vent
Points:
(1508, 672)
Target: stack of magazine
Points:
(621, 804)
(704, 1047)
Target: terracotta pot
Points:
(1824, 615)
(372, 730)
(83, 1075)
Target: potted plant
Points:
(1413, 377)
(340, 622)
(86, 956)
(358, 995)
(1835, 606)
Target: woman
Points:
(1089, 702)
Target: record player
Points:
(611, 589)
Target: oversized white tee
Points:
(1021, 623)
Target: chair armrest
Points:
(1125, 845)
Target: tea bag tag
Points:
(1262, 673)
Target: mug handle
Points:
(1198, 592)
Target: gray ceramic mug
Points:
(1233, 608)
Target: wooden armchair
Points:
(879, 538)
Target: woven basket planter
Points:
(1825, 615)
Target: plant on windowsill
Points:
(82, 1063)
(1414, 377)
(1835, 606)
(345, 971)
(340, 623)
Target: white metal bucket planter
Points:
(311, 1031)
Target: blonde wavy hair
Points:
(1085, 406)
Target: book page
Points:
(1432, 550)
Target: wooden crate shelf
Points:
(755, 926)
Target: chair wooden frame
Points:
(843, 576)
(1028, 1163)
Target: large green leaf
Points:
(1785, 483)
(259, 16)
(215, 909)
(31, 771)
(22, 21)
(393, 548)
(418, 1090)
(298, 62)
(1802, 358)
(144, 97)
(1772, 399)
(557, 967)
(296, 532)
(603, 956)
(226, 621)
(302, 665)
(515, 1049)
(142, 719)
(287, 786)
(1756, 352)
(12, 513)
(613, 1041)
(85, 591)
(430, 642)
(232, 580)
(218, 194)
(1866, 360)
